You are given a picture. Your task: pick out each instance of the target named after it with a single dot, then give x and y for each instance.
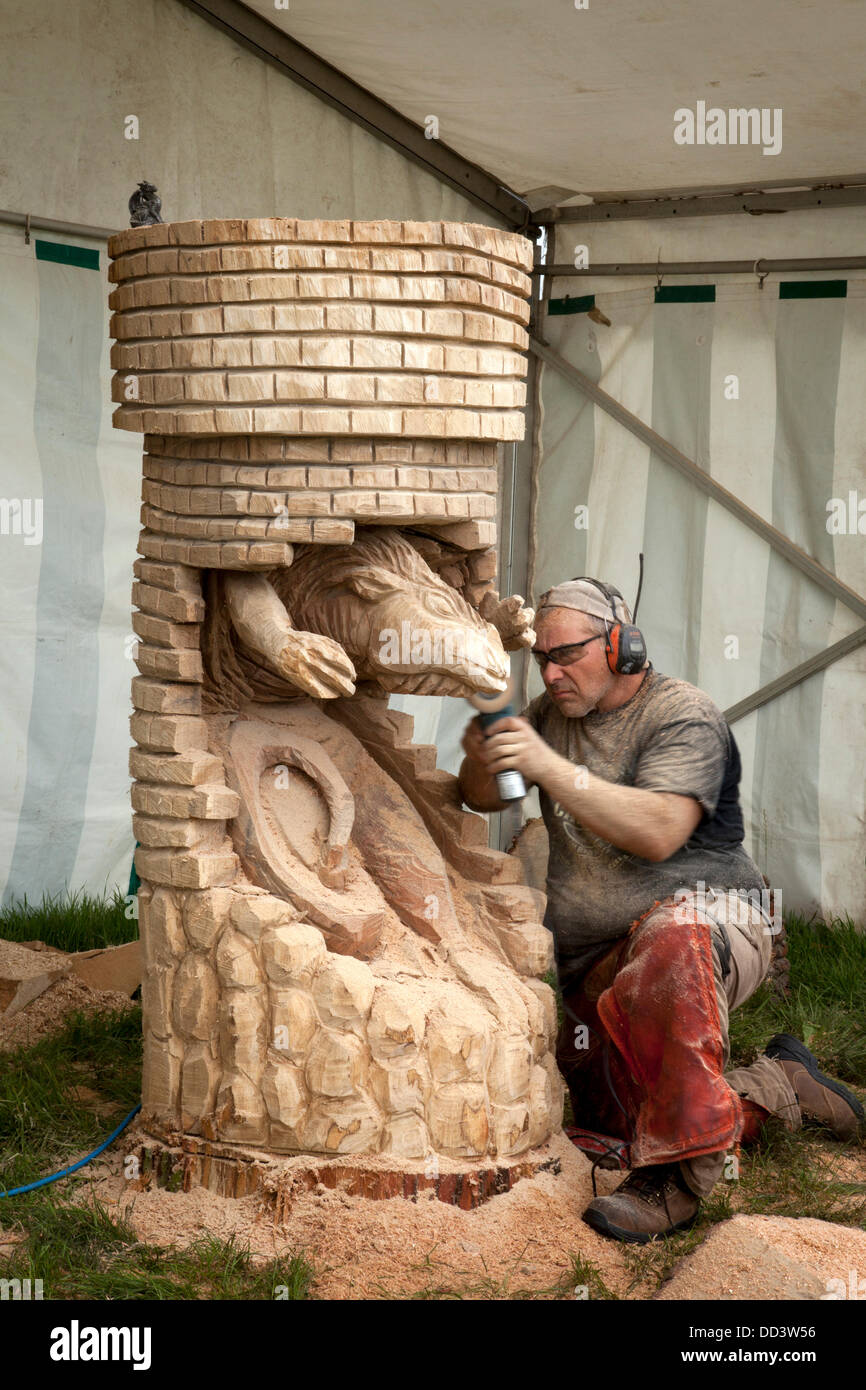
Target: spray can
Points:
(491, 708)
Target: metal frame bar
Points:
(274, 46)
(49, 224)
(654, 268)
(756, 186)
(712, 205)
(774, 537)
(797, 674)
(661, 446)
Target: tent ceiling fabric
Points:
(544, 95)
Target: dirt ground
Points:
(519, 1240)
(519, 1244)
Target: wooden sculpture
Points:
(335, 960)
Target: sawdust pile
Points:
(518, 1244)
(48, 1012)
(771, 1257)
(520, 1241)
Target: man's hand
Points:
(478, 787)
(473, 742)
(512, 744)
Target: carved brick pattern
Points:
(290, 330)
(363, 374)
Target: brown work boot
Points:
(818, 1097)
(651, 1202)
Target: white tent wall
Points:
(790, 442)
(221, 134)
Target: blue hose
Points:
(64, 1172)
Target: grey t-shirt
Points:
(669, 737)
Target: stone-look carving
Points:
(336, 963)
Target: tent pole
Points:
(653, 268)
(852, 195)
(771, 534)
(49, 224)
(273, 45)
(797, 674)
(813, 181)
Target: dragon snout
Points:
(487, 665)
(469, 654)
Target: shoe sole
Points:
(786, 1048)
(600, 1223)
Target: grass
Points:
(73, 1089)
(84, 1252)
(72, 922)
(585, 1276)
(827, 1002)
(59, 1100)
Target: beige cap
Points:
(583, 595)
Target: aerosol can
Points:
(491, 708)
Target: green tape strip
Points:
(686, 294)
(580, 305)
(813, 289)
(67, 255)
(134, 880)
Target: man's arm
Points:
(653, 825)
(477, 784)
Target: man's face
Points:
(575, 689)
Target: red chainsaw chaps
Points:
(754, 1119)
(651, 1003)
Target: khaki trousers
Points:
(763, 1082)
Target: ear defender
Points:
(625, 647)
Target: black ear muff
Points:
(625, 647)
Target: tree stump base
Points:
(180, 1162)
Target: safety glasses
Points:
(566, 655)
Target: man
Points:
(638, 776)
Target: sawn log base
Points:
(181, 1162)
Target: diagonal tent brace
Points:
(797, 674)
(771, 534)
(273, 45)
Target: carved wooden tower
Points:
(335, 961)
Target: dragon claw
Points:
(511, 618)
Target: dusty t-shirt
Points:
(669, 737)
